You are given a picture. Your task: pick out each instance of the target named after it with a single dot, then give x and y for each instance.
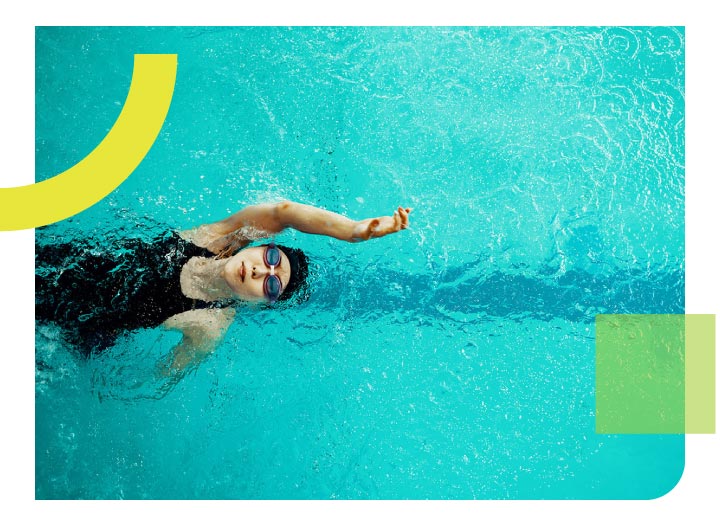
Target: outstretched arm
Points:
(229, 235)
(264, 220)
(309, 219)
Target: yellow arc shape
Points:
(109, 164)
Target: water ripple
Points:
(622, 41)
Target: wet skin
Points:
(245, 273)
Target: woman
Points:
(187, 281)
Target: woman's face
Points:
(246, 271)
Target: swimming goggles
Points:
(272, 287)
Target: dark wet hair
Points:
(297, 285)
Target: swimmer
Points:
(190, 281)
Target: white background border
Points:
(697, 488)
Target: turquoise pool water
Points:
(454, 360)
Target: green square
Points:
(640, 374)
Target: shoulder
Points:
(200, 236)
(215, 242)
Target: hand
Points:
(381, 226)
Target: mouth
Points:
(242, 271)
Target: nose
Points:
(260, 271)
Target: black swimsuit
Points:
(95, 292)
